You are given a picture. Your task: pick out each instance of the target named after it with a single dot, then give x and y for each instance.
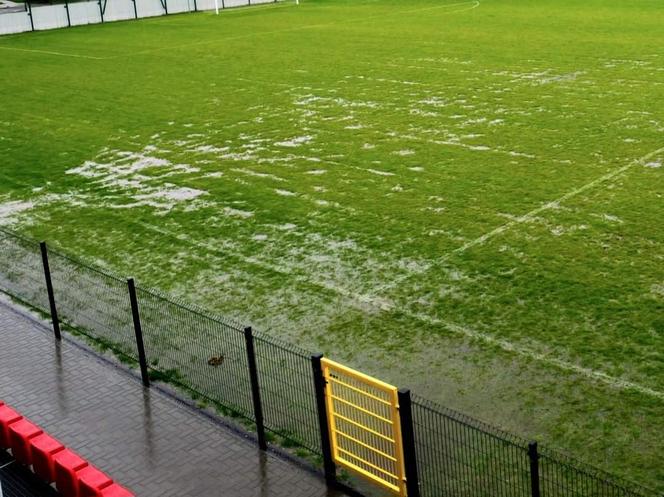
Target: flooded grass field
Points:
(465, 198)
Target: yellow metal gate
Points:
(365, 429)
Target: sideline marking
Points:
(47, 52)
(507, 346)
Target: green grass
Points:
(375, 180)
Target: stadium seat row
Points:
(52, 461)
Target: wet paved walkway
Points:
(142, 438)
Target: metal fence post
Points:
(135, 9)
(534, 469)
(139, 332)
(49, 290)
(319, 384)
(255, 387)
(68, 17)
(408, 440)
(101, 11)
(32, 22)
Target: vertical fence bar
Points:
(68, 17)
(195, 6)
(323, 422)
(135, 9)
(49, 289)
(534, 469)
(255, 387)
(101, 12)
(408, 441)
(139, 332)
(32, 22)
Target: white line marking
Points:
(252, 8)
(524, 351)
(555, 203)
(380, 303)
(529, 216)
(609, 380)
(254, 261)
(474, 5)
(384, 305)
(48, 52)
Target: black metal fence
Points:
(463, 457)
(272, 383)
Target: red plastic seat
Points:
(91, 482)
(43, 448)
(115, 490)
(20, 434)
(67, 464)
(7, 417)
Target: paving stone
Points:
(142, 438)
